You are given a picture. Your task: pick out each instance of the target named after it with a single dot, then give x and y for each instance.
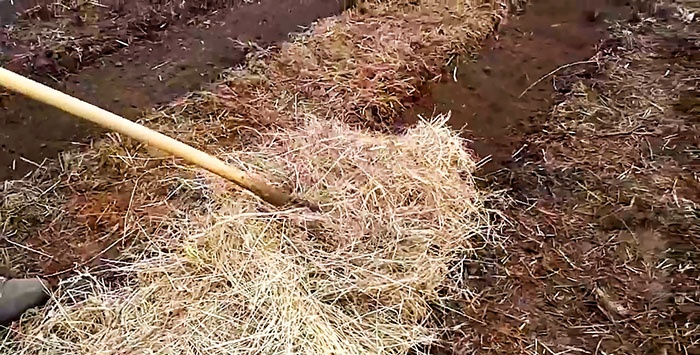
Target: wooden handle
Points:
(72, 105)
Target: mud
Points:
(127, 57)
(574, 213)
(483, 92)
(570, 264)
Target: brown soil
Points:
(127, 57)
(483, 92)
(599, 260)
(169, 52)
(586, 235)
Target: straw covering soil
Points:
(360, 278)
(602, 192)
(203, 267)
(589, 248)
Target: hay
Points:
(361, 280)
(358, 67)
(223, 273)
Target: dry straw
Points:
(224, 274)
(360, 278)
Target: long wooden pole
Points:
(72, 105)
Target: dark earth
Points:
(126, 56)
(484, 99)
(571, 215)
(571, 228)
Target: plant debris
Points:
(196, 256)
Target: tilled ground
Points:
(596, 170)
(595, 166)
(127, 56)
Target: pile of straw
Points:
(227, 274)
(360, 278)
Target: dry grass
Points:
(360, 278)
(611, 268)
(225, 274)
(359, 67)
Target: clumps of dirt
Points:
(81, 215)
(590, 146)
(175, 10)
(185, 57)
(96, 234)
(57, 38)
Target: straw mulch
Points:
(602, 256)
(222, 272)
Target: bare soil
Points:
(126, 56)
(600, 258)
(483, 92)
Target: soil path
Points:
(483, 93)
(153, 69)
(590, 207)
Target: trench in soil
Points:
(134, 57)
(483, 94)
(570, 226)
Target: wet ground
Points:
(126, 56)
(594, 224)
(585, 232)
(484, 92)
